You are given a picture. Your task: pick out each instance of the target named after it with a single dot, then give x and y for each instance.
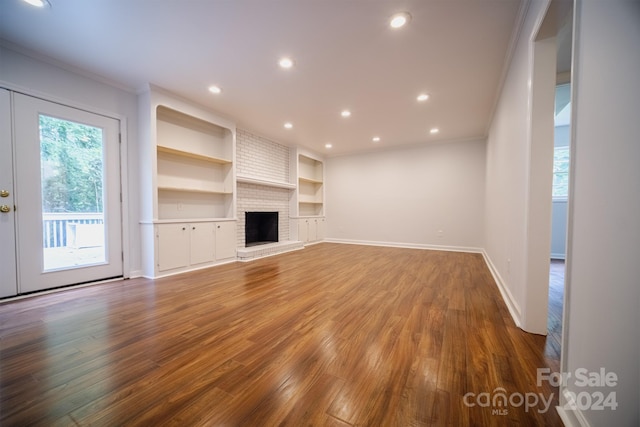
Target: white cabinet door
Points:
(202, 242)
(303, 230)
(313, 230)
(225, 240)
(173, 246)
(321, 231)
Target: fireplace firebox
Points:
(260, 228)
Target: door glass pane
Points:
(71, 164)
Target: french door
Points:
(8, 279)
(66, 210)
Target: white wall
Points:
(603, 291)
(35, 77)
(405, 196)
(603, 268)
(507, 165)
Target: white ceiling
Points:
(346, 56)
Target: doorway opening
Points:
(551, 48)
(560, 198)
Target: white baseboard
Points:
(570, 417)
(182, 270)
(135, 274)
(406, 245)
(512, 305)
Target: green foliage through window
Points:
(71, 166)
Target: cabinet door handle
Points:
(184, 228)
(193, 228)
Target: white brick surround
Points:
(258, 157)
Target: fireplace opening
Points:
(260, 228)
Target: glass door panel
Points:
(71, 163)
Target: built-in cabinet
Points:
(311, 229)
(183, 245)
(307, 207)
(188, 185)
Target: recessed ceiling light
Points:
(345, 113)
(399, 20)
(434, 131)
(285, 63)
(38, 3)
(215, 89)
(376, 139)
(422, 97)
(328, 145)
(288, 125)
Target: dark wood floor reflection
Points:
(332, 335)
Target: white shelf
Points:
(191, 155)
(267, 183)
(310, 169)
(309, 180)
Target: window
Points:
(560, 173)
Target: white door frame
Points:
(8, 277)
(124, 158)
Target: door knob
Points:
(4, 193)
(5, 209)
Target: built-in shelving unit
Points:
(188, 185)
(194, 167)
(307, 206)
(310, 186)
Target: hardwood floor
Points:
(556, 301)
(332, 335)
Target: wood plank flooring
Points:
(332, 335)
(556, 301)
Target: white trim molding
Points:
(570, 417)
(507, 297)
(406, 245)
